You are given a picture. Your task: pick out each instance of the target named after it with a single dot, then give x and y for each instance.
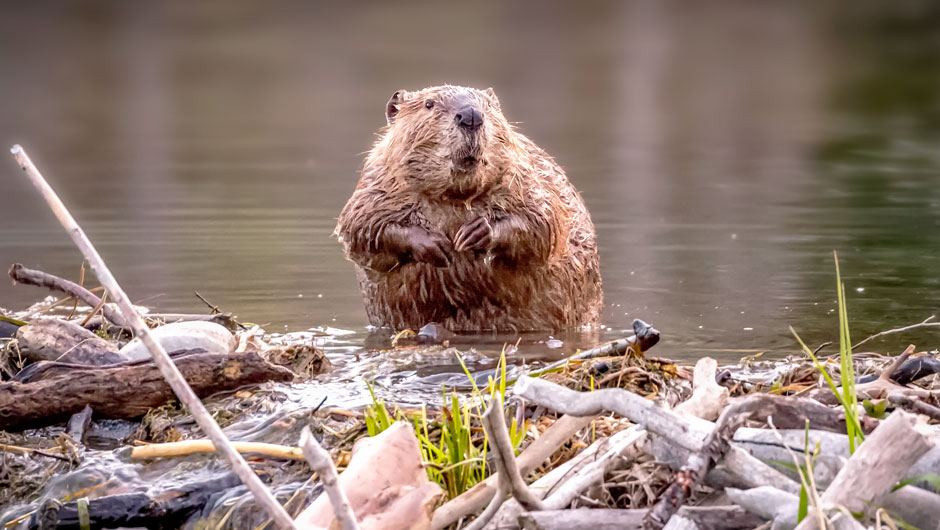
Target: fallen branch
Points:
(644, 337)
(160, 357)
(768, 502)
(875, 467)
(925, 324)
(713, 449)
(508, 476)
(188, 447)
(724, 517)
(914, 405)
(686, 433)
(21, 274)
(538, 451)
(495, 424)
(321, 462)
(560, 486)
(913, 504)
(708, 397)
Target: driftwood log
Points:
(52, 391)
(878, 464)
(168, 509)
(53, 339)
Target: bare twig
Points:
(893, 367)
(94, 310)
(213, 307)
(160, 357)
(925, 324)
(495, 424)
(714, 447)
(538, 451)
(29, 450)
(676, 429)
(502, 489)
(321, 462)
(21, 274)
(81, 283)
(875, 467)
(644, 338)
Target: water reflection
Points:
(724, 151)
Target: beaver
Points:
(460, 220)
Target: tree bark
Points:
(126, 390)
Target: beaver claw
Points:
(428, 247)
(474, 235)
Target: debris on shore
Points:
(102, 427)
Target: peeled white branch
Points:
(686, 433)
(538, 451)
(495, 424)
(321, 462)
(160, 357)
(878, 464)
(579, 474)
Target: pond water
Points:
(724, 152)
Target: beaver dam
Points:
(613, 437)
(112, 416)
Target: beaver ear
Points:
(394, 105)
(492, 95)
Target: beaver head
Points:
(446, 141)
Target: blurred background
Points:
(725, 149)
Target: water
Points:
(724, 152)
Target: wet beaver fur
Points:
(460, 220)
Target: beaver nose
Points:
(469, 118)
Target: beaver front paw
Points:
(474, 235)
(428, 247)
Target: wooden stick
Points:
(495, 425)
(502, 489)
(676, 429)
(925, 324)
(21, 274)
(645, 337)
(160, 357)
(477, 497)
(321, 462)
(878, 464)
(29, 450)
(893, 367)
(188, 447)
(724, 517)
(714, 447)
(585, 470)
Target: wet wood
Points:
(168, 509)
(725, 517)
(21, 274)
(478, 496)
(53, 339)
(876, 466)
(715, 446)
(125, 390)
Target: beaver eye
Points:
(429, 104)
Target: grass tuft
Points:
(453, 445)
(847, 397)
